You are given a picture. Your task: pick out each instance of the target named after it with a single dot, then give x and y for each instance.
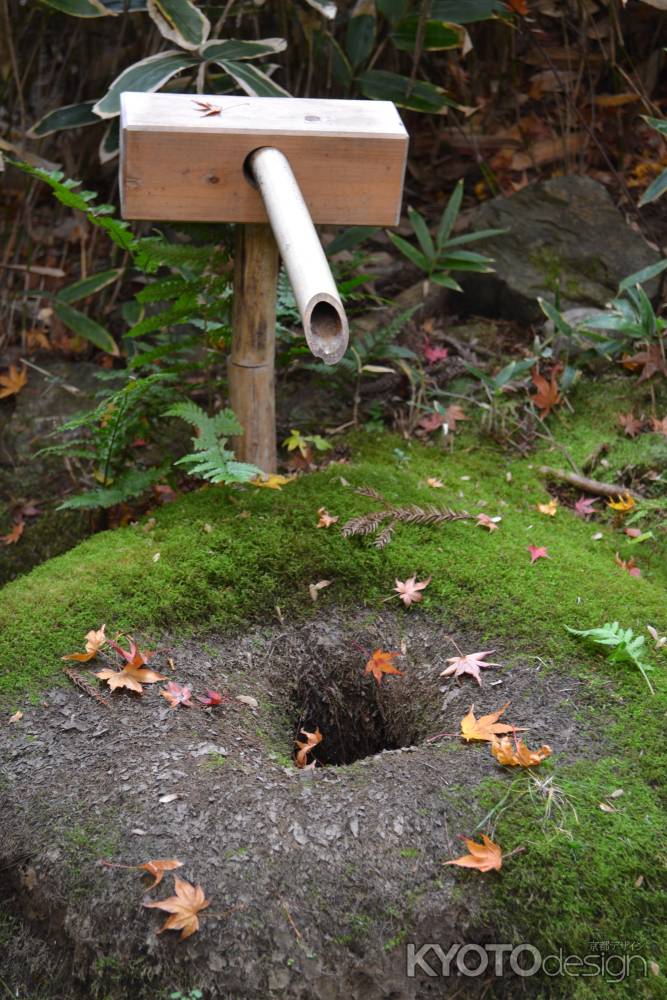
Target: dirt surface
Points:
(317, 878)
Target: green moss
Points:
(264, 550)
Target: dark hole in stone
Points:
(357, 718)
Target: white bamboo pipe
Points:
(324, 321)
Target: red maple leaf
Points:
(537, 553)
(584, 506)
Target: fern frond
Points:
(126, 487)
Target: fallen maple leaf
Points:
(177, 695)
(584, 506)
(628, 565)
(207, 109)
(484, 521)
(212, 698)
(12, 383)
(624, 503)
(484, 857)
(630, 424)
(650, 360)
(133, 656)
(95, 639)
(432, 422)
(156, 868)
(307, 746)
(659, 426)
(272, 482)
(131, 677)
(517, 754)
(469, 664)
(409, 590)
(547, 395)
(453, 414)
(382, 663)
(433, 354)
(436, 484)
(326, 519)
(486, 727)
(548, 508)
(16, 717)
(13, 536)
(184, 907)
(537, 552)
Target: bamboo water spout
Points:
(322, 314)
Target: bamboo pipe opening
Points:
(322, 314)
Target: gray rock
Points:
(565, 234)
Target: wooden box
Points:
(177, 164)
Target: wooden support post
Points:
(252, 360)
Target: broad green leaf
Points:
(410, 252)
(359, 38)
(69, 116)
(125, 6)
(323, 7)
(180, 21)
(465, 11)
(87, 286)
(446, 281)
(438, 35)
(80, 8)
(465, 257)
(449, 215)
(556, 318)
(660, 124)
(421, 232)
(84, 326)
(646, 273)
(350, 238)
(110, 144)
(236, 48)
(251, 80)
(341, 68)
(654, 190)
(416, 95)
(481, 234)
(392, 9)
(145, 76)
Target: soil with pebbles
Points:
(317, 878)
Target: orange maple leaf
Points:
(132, 676)
(326, 519)
(486, 727)
(14, 535)
(518, 754)
(312, 739)
(484, 857)
(12, 382)
(547, 395)
(382, 663)
(156, 868)
(184, 907)
(95, 639)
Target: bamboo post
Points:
(252, 359)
